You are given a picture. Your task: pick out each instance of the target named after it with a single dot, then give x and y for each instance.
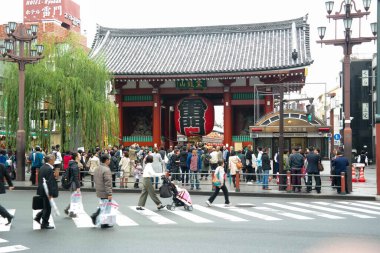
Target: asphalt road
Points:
(273, 225)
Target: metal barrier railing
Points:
(282, 180)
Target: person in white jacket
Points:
(232, 165)
(125, 170)
(147, 185)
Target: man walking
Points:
(103, 185)
(3, 174)
(46, 171)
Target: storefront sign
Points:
(291, 134)
(365, 77)
(191, 84)
(365, 111)
(65, 11)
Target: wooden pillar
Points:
(227, 111)
(156, 113)
(268, 107)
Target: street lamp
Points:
(347, 12)
(20, 48)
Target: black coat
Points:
(266, 161)
(312, 162)
(48, 173)
(183, 158)
(74, 174)
(4, 174)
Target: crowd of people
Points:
(186, 165)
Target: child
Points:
(220, 175)
(137, 173)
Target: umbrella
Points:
(52, 202)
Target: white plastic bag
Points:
(76, 205)
(108, 211)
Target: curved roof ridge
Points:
(101, 30)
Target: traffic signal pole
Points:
(377, 116)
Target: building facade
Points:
(232, 66)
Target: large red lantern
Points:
(194, 116)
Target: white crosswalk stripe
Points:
(190, 216)
(282, 213)
(12, 248)
(370, 202)
(83, 220)
(302, 210)
(3, 240)
(332, 210)
(37, 226)
(249, 213)
(4, 221)
(348, 208)
(123, 220)
(153, 216)
(359, 204)
(219, 214)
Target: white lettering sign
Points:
(365, 77)
(75, 21)
(365, 111)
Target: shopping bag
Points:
(108, 211)
(76, 205)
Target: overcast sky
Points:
(177, 13)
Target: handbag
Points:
(165, 191)
(239, 165)
(37, 203)
(215, 181)
(320, 166)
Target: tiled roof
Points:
(204, 50)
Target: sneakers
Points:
(208, 203)
(72, 215)
(249, 182)
(227, 205)
(160, 206)
(140, 208)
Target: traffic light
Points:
(310, 112)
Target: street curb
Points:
(240, 194)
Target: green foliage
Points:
(70, 88)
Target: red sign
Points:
(194, 116)
(65, 11)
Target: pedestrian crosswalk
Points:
(128, 216)
(10, 248)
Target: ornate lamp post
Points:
(21, 47)
(347, 12)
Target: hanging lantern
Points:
(194, 116)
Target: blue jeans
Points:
(194, 177)
(265, 179)
(259, 173)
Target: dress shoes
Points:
(46, 227)
(10, 218)
(38, 220)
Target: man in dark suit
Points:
(3, 174)
(312, 169)
(47, 172)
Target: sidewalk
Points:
(361, 191)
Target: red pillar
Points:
(156, 113)
(227, 111)
(268, 107)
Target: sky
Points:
(177, 13)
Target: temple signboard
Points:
(191, 84)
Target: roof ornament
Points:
(294, 42)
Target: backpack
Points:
(206, 160)
(66, 180)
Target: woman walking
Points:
(221, 177)
(93, 164)
(74, 179)
(147, 185)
